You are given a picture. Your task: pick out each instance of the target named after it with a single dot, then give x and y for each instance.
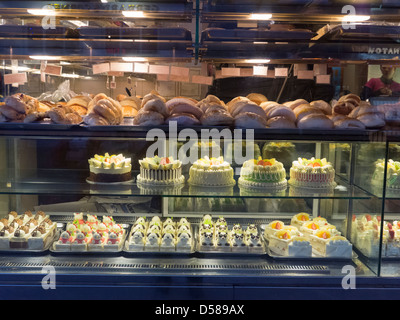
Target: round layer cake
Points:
(392, 176)
(160, 171)
(263, 173)
(211, 172)
(313, 173)
(107, 169)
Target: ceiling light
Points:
(355, 18)
(257, 61)
(133, 14)
(260, 16)
(42, 12)
(134, 59)
(45, 58)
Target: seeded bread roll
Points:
(315, 121)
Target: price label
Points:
(260, 71)
(101, 68)
(15, 78)
(230, 72)
(305, 75)
(157, 69)
(202, 80)
(180, 71)
(121, 66)
(324, 79)
(53, 70)
(281, 72)
(141, 68)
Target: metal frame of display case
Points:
(153, 277)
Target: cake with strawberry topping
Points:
(207, 172)
(328, 245)
(313, 173)
(160, 171)
(109, 168)
(284, 243)
(263, 173)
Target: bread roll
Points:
(280, 122)
(349, 123)
(343, 107)
(257, 98)
(235, 100)
(249, 107)
(324, 106)
(315, 121)
(294, 104)
(82, 101)
(11, 114)
(281, 110)
(249, 120)
(79, 109)
(216, 117)
(362, 109)
(151, 96)
(148, 118)
(120, 97)
(372, 119)
(305, 110)
(22, 103)
(186, 108)
(96, 98)
(178, 101)
(156, 105)
(183, 119)
(94, 119)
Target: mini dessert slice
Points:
(254, 244)
(309, 228)
(20, 238)
(284, 244)
(168, 242)
(272, 227)
(152, 241)
(136, 241)
(98, 241)
(79, 244)
(5, 234)
(221, 242)
(325, 244)
(184, 241)
(63, 243)
(39, 238)
(113, 242)
(206, 240)
(298, 219)
(237, 240)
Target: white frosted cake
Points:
(263, 173)
(160, 171)
(299, 219)
(313, 173)
(211, 172)
(114, 168)
(392, 176)
(284, 244)
(327, 245)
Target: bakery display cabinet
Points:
(141, 154)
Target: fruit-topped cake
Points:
(298, 219)
(327, 245)
(160, 171)
(392, 175)
(309, 228)
(110, 168)
(313, 173)
(284, 243)
(272, 227)
(263, 173)
(211, 172)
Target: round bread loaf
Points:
(280, 122)
(250, 120)
(315, 121)
(148, 118)
(324, 106)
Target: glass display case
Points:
(185, 208)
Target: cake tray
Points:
(122, 183)
(314, 256)
(46, 247)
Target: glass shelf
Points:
(74, 182)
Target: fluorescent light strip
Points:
(134, 59)
(133, 14)
(260, 16)
(355, 18)
(257, 61)
(42, 12)
(45, 58)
